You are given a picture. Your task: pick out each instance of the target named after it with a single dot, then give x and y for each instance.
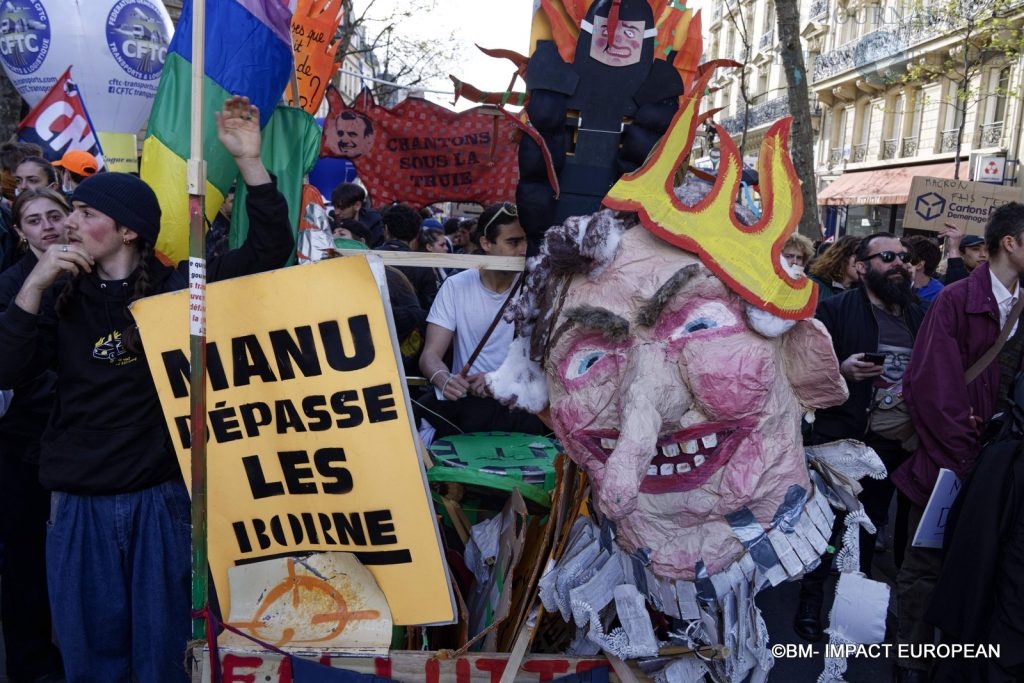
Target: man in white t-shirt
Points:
(465, 306)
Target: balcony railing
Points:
(758, 115)
(884, 44)
(992, 134)
(860, 153)
(889, 148)
(766, 41)
(909, 147)
(949, 140)
(819, 10)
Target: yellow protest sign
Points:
(120, 151)
(314, 25)
(311, 444)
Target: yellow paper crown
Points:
(745, 257)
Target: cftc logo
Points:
(135, 36)
(24, 35)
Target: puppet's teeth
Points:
(652, 471)
(683, 468)
(667, 469)
(671, 450)
(698, 460)
(690, 447)
(608, 443)
(710, 441)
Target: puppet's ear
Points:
(812, 367)
(520, 382)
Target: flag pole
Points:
(196, 186)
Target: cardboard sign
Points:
(314, 26)
(932, 528)
(311, 445)
(420, 153)
(934, 202)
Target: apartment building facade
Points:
(907, 91)
(892, 86)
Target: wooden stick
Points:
(429, 260)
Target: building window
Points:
(954, 106)
(768, 24)
(999, 85)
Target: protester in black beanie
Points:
(124, 198)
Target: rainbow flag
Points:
(248, 52)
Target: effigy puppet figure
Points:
(678, 357)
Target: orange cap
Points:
(78, 161)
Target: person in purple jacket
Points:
(961, 325)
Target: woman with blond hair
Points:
(797, 251)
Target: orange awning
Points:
(882, 186)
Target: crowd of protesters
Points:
(908, 318)
(941, 334)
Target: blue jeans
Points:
(119, 571)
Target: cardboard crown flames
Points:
(678, 378)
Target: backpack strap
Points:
(1004, 334)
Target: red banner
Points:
(59, 122)
(421, 153)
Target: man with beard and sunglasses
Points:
(873, 329)
(963, 323)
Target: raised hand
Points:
(238, 129)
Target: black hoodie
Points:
(106, 433)
(26, 417)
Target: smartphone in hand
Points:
(874, 358)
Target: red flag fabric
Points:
(420, 153)
(59, 123)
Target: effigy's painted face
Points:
(680, 413)
(627, 47)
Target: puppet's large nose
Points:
(652, 398)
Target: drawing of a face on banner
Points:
(116, 49)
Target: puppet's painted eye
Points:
(710, 316)
(582, 362)
(699, 324)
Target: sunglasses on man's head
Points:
(890, 256)
(507, 209)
